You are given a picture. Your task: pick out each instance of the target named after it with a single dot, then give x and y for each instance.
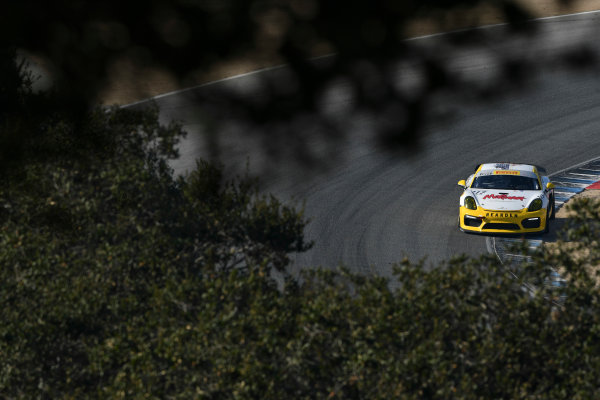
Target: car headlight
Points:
(535, 205)
(470, 203)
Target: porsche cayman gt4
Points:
(506, 198)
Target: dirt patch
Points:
(131, 83)
(578, 252)
(586, 194)
(563, 214)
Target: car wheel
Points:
(548, 215)
(553, 212)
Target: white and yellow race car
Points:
(506, 198)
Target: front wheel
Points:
(553, 212)
(548, 217)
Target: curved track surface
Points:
(374, 208)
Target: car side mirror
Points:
(462, 183)
(549, 185)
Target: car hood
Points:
(511, 200)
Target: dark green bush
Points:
(118, 280)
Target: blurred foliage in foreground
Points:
(89, 47)
(119, 281)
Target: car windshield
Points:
(505, 182)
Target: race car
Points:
(506, 198)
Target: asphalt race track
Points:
(373, 208)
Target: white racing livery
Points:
(506, 198)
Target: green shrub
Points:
(118, 280)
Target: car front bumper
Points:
(500, 221)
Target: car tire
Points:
(548, 215)
(553, 212)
